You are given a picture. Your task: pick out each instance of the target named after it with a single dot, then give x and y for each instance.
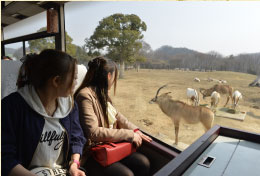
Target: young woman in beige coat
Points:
(101, 122)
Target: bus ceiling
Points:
(15, 11)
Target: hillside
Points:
(10, 51)
(167, 52)
(168, 57)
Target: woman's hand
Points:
(74, 171)
(137, 140)
(143, 136)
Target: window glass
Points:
(185, 45)
(14, 50)
(24, 27)
(36, 46)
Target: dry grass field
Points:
(137, 88)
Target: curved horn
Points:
(159, 90)
(202, 89)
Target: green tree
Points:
(139, 59)
(49, 43)
(36, 46)
(71, 49)
(144, 53)
(82, 55)
(119, 36)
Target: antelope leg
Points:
(176, 134)
(227, 101)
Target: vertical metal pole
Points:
(2, 39)
(2, 50)
(60, 36)
(24, 49)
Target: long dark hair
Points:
(37, 69)
(96, 77)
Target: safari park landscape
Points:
(137, 88)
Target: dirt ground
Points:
(137, 88)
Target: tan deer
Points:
(178, 110)
(222, 89)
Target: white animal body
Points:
(215, 97)
(193, 95)
(222, 81)
(196, 79)
(210, 79)
(236, 96)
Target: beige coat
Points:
(94, 125)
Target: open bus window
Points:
(14, 50)
(182, 50)
(182, 45)
(36, 46)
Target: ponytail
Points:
(25, 71)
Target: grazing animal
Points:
(222, 89)
(210, 79)
(222, 81)
(236, 96)
(178, 110)
(193, 95)
(215, 97)
(196, 79)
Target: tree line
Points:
(168, 57)
(120, 38)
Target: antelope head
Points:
(154, 100)
(202, 91)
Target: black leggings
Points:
(135, 164)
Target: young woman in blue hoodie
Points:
(41, 134)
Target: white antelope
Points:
(210, 79)
(196, 79)
(215, 97)
(222, 81)
(178, 110)
(193, 95)
(236, 96)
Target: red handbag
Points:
(110, 153)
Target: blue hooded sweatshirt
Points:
(23, 119)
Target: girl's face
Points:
(111, 79)
(65, 89)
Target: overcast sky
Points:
(226, 27)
